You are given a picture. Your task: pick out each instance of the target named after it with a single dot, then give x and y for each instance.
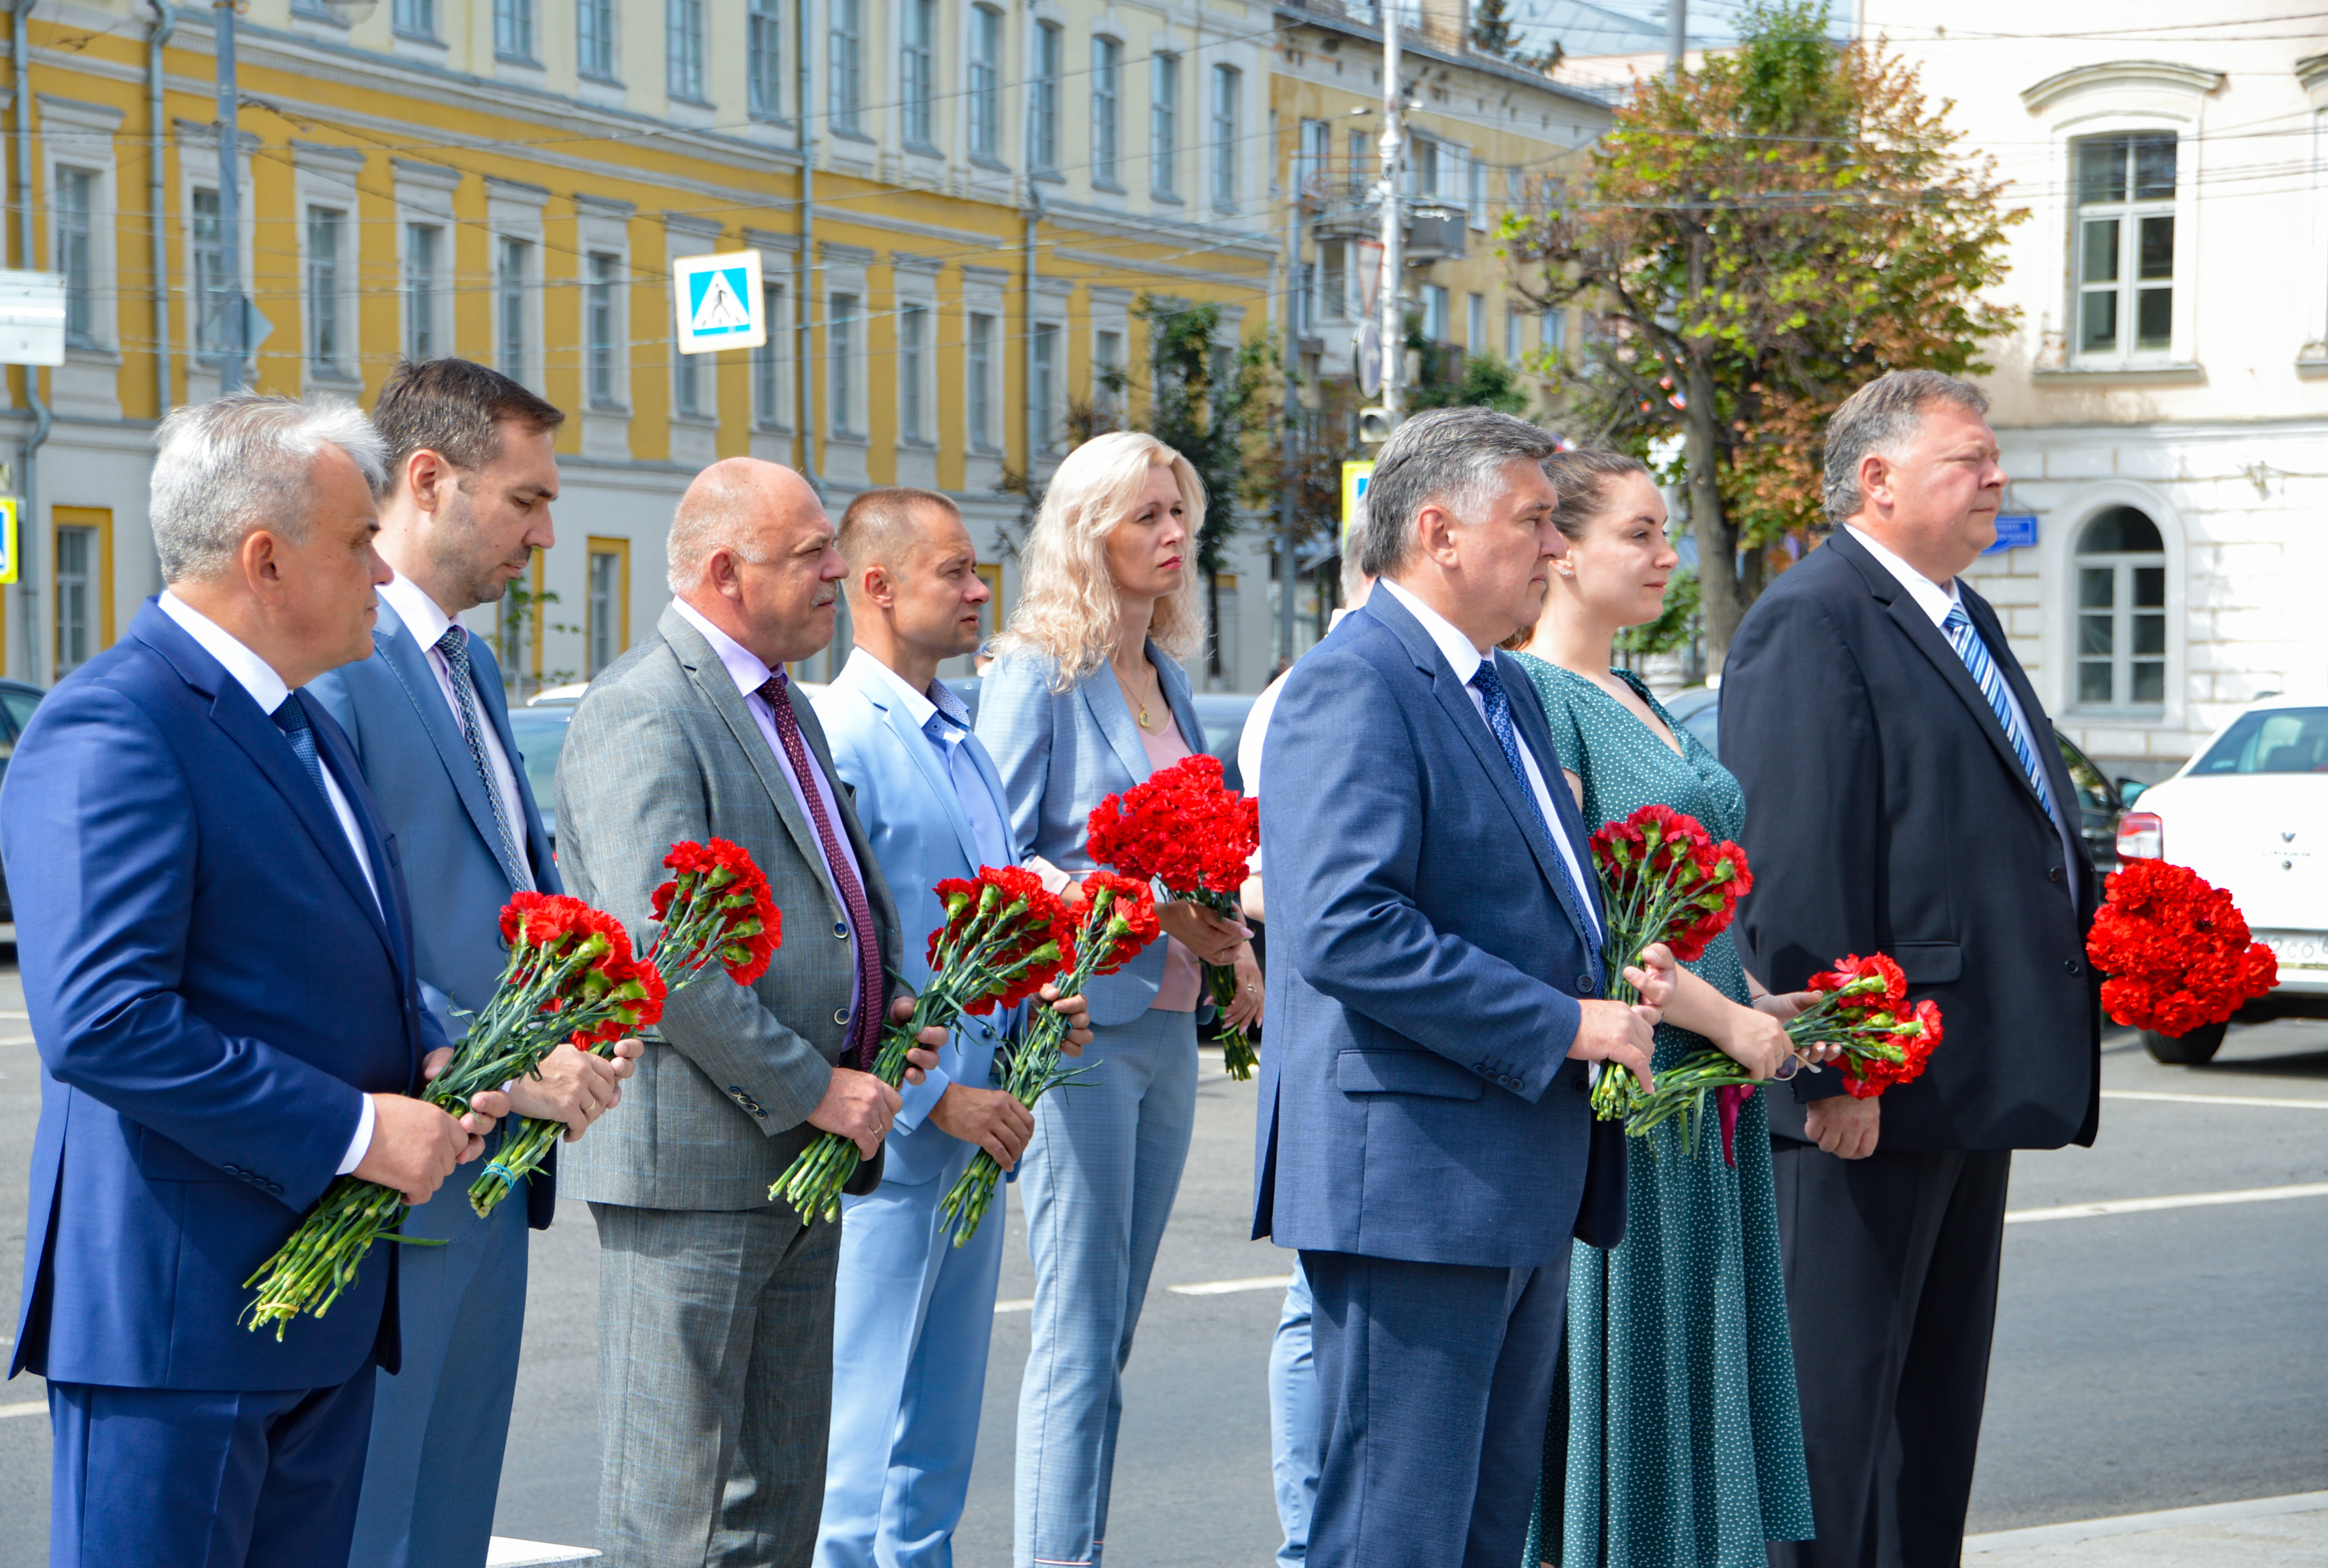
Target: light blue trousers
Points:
(440, 1426)
(912, 1317)
(1294, 1439)
(1098, 1183)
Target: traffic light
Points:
(1375, 424)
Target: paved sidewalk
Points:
(2290, 1532)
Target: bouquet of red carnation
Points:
(1182, 828)
(570, 975)
(1004, 939)
(718, 909)
(1863, 1008)
(1118, 919)
(1663, 879)
(2177, 951)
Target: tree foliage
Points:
(1754, 241)
(1494, 32)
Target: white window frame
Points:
(844, 66)
(917, 73)
(423, 198)
(1107, 110)
(2131, 212)
(2122, 612)
(763, 58)
(198, 170)
(682, 43)
(517, 32)
(325, 178)
(845, 362)
(597, 40)
(915, 290)
(327, 298)
(773, 372)
(1227, 116)
(1164, 137)
(514, 212)
(81, 136)
(416, 19)
(1046, 47)
(982, 84)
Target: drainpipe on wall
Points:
(166, 25)
(1034, 412)
(28, 591)
(805, 268)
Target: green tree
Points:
(1754, 241)
(1494, 32)
(1486, 381)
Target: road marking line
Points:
(2136, 1524)
(2180, 1201)
(35, 1408)
(1028, 1305)
(509, 1551)
(1229, 1287)
(2214, 1099)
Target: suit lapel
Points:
(1455, 702)
(1102, 695)
(496, 711)
(391, 916)
(1942, 655)
(408, 662)
(711, 678)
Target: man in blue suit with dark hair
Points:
(217, 958)
(913, 1313)
(471, 478)
(1435, 990)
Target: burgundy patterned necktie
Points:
(865, 1028)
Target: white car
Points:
(2249, 813)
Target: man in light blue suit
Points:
(471, 476)
(218, 959)
(1435, 988)
(913, 1312)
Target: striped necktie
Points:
(455, 647)
(1960, 630)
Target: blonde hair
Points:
(1068, 607)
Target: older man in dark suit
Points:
(1904, 795)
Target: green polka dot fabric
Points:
(1675, 1440)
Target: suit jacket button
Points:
(2054, 873)
(840, 928)
(840, 1016)
(1586, 984)
(2072, 966)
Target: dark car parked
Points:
(17, 702)
(1698, 710)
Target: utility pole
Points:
(1676, 35)
(232, 308)
(1391, 312)
(1296, 301)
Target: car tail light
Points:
(2140, 837)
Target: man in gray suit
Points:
(471, 476)
(715, 1309)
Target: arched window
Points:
(2121, 611)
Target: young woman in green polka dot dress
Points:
(1675, 1440)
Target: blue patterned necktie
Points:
(292, 720)
(1499, 719)
(455, 646)
(1960, 632)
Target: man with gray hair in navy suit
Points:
(470, 476)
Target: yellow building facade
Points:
(990, 189)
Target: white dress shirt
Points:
(265, 687)
(1936, 601)
(427, 622)
(1465, 658)
(750, 673)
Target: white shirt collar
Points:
(745, 668)
(421, 615)
(252, 672)
(1930, 598)
(917, 704)
(1458, 650)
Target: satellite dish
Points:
(350, 12)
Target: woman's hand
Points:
(1208, 936)
(1656, 977)
(1246, 1008)
(1756, 1040)
(1783, 1008)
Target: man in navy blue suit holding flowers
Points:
(1435, 991)
(217, 956)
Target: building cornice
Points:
(1411, 46)
(2154, 75)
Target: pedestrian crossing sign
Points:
(719, 300)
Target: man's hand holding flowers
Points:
(415, 1145)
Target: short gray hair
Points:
(246, 461)
(1451, 456)
(715, 514)
(1879, 418)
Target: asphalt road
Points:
(2145, 1360)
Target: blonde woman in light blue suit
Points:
(1084, 699)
